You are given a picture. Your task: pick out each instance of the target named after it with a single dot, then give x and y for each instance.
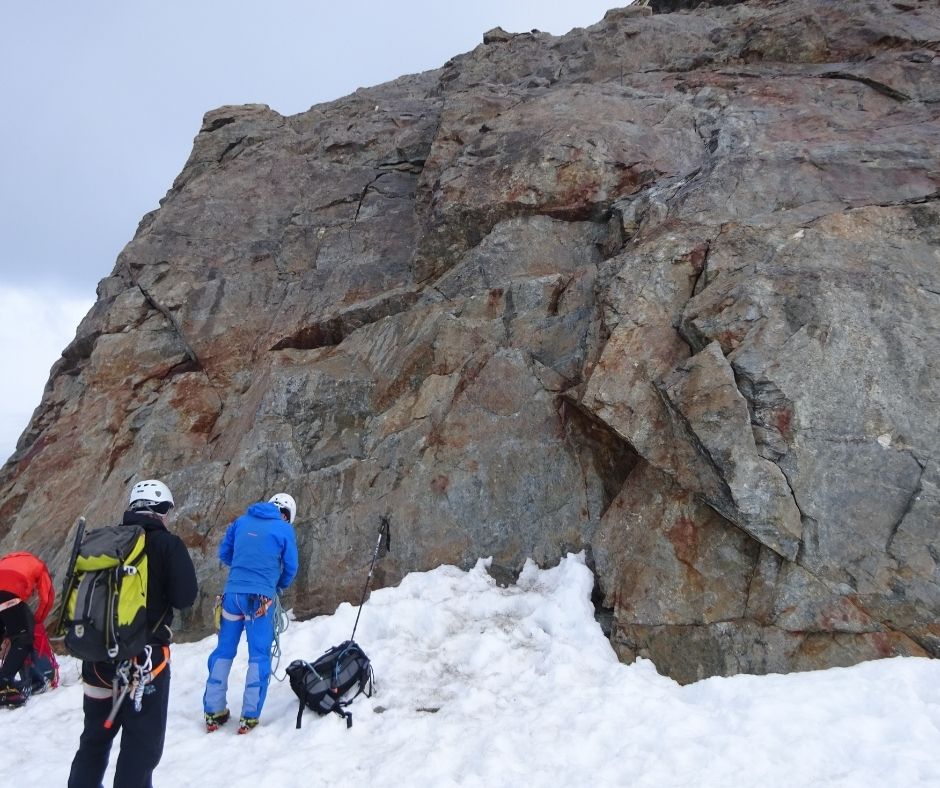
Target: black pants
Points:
(16, 623)
(141, 741)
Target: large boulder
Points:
(664, 289)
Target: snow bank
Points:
(486, 686)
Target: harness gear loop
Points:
(131, 678)
(264, 604)
(142, 676)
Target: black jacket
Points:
(171, 583)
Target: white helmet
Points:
(151, 494)
(285, 501)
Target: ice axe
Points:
(58, 630)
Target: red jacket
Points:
(23, 573)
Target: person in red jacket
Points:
(21, 576)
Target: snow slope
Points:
(486, 686)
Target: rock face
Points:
(665, 289)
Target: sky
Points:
(484, 686)
(102, 100)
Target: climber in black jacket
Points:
(171, 583)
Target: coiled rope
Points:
(281, 623)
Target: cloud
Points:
(36, 323)
(69, 200)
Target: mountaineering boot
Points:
(216, 720)
(247, 724)
(11, 695)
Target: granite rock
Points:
(665, 289)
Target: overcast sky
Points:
(102, 98)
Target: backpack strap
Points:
(347, 715)
(300, 712)
(337, 708)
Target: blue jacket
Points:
(261, 550)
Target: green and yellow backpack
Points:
(106, 603)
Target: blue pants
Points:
(238, 615)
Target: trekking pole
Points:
(384, 531)
(69, 577)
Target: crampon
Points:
(217, 720)
(247, 724)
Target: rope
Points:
(281, 623)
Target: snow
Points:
(486, 686)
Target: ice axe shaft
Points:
(116, 706)
(69, 578)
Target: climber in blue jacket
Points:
(261, 551)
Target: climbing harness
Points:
(264, 604)
(280, 623)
